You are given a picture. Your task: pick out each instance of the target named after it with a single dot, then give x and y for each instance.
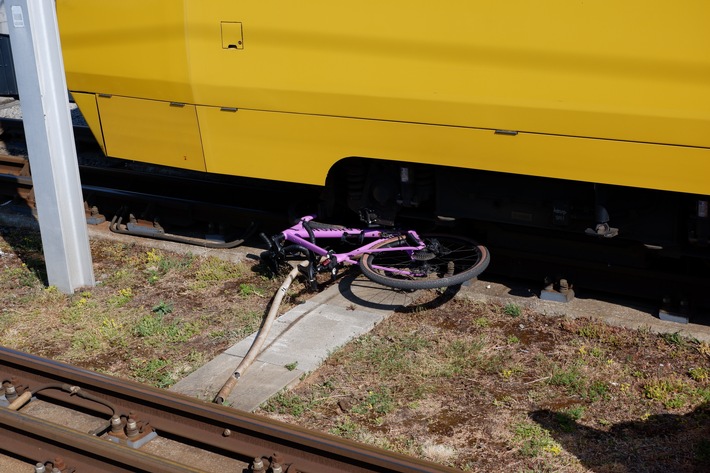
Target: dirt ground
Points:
(488, 387)
(493, 388)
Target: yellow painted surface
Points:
(283, 146)
(151, 131)
(129, 47)
(635, 70)
(603, 91)
(90, 111)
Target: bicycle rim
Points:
(447, 261)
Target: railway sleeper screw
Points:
(10, 392)
(131, 428)
(40, 468)
(564, 286)
(276, 468)
(257, 465)
(116, 424)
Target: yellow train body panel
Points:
(603, 91)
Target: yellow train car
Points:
(567, 114)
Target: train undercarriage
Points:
(382, 192)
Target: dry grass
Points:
(477, 387)
(487, 388)
(153, 316)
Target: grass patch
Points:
(570, 378)
(143, 308)
(533, 440)
(674, 339)
(288, 402)
(377, 402)
(512, 310)
(214, 270)
(155, 372)
(157, 329)
(162, 308)
(673, 393)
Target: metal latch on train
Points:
(232, 35)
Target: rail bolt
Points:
(131, 428)
(40, 468)
(116, 424)
(10, 392)
(257, 465)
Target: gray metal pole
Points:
(34, 36)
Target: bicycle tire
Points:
(469, 259)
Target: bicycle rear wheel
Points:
(447, 260)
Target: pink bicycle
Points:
(398, 259)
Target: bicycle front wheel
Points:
(446, 261)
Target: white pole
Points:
(39, 68)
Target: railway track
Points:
(137, 428)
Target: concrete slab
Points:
(299, 341)
(260, 382)
(308, 333)
(205, 382)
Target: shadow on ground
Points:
(368, 294)
(662, 443)
(26, 243)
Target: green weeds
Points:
(288, 402)
(377, 402)
(674, 339)
(162, 308)
(577, 383)
(512, 310)
(512, 339)
(154, 371)
(157, 329)
(122, 297)
(533, 440)
(246, 290)
(347, 428)
(673, 393)
(213, 270)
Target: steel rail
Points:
(40, 441)
(242, 435)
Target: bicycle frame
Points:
(300, 234)
(398, 259)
